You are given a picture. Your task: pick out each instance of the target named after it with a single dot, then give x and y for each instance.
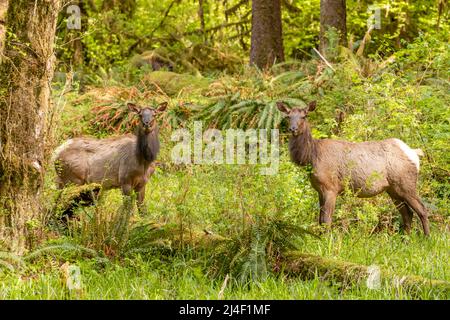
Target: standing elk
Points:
(118, 162)
(369, 168)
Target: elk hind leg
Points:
(416, 204)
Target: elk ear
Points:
(162, 107)
(133, 107)
(312, 106)
(282, 107)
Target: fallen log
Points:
(180, 238)
(308, 266)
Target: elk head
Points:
(297, 116)
(147, 115)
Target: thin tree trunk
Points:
(78, 53)
(25, 75)
(442, 5)
(333, 26)
(74, 37)
(201, 16)
(267, 37)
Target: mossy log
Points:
(308, 266)
(71, 197)
(186, 237)
(197, 238)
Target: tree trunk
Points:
(78, 46)
(267, 37)
(201, 16)
(333, 26)
(3, 8)
(25, 76)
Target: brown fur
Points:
(119, 162)
(368, 168)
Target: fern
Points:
(11, 261)
(254, 264)
(7, 265)
(248, 256)
(288, 77)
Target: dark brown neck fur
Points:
(303, 148)
(147, 145)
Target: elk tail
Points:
(419, 152)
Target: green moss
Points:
(308, 266)
(68, 198)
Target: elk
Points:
(368, 168)
(119, 162)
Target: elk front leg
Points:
(321, 204)
(140, 200)
(327, 205)
(126, 189)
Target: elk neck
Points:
(147, 145)
(303, 148)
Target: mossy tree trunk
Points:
(25, 75)
(333, 26)
(267, 36)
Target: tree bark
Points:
(25, 75)
(78, 46)
(267, 37)
(333, 19)
(201, 16)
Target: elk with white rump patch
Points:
(369, 167)
(119, 162)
